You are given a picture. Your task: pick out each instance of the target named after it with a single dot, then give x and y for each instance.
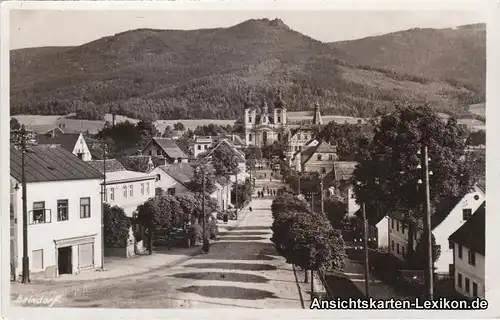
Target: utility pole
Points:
(299, 183)
(322, 197)
(312, 202)
(103, 201)
(365, 236)
(429, 270)
(236, 195)
(205, 237)
(26, 261)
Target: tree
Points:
(154, 214)
(276, 149)
(147, 130)
(116, 227)
(477, 138)
(336, 211)
(350, 139)
(388, 172)
(252, 155)
(14, 124)
(287, 202)
(167, 133)
(196, 184)
(419, 258)
(224, 160)
(179, 126)
(124, 135)
(309, 181)
(244, 192)
(281, 229)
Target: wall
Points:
(81, 147)
(352, 206)
(474, 273)
(399, 235)
(299, 140)
(383, 232)
(452, 222)
(43, 235)
(130, 203)
(315, 165)
(199, 148)
(166, 182)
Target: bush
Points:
(116, 227)
(196, 234)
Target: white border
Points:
(491, 9)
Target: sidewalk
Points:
(305, 288)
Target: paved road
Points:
(241, 270)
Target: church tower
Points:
(279, 112)
(249, 119)
(317, 120)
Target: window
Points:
(249, 137)
(279, 119)
(459, 280)
(451, 245)
(150, 152)
(147, 188)
(402, 228)
(323, 170)
(250, 119)
(84, 207)
(37, 257)
(474, 289)
(62, 210)
(403, 251)
(158, 177)
(472, 258)
(392, 245)
(397, 248)
(460, 251)
(397, 225)
(39, 213)
(467, 285)
(299, 137)
(206, 147)
(112, 193)
(198, 147)
(158, 152)
(142, 188)
(125, 192)
(392, 223)
(171, 191)
(86, 255)
(296, 148)
(131, 190)
(330, 156)
(466, 214)
(319, 157)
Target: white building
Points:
(450, 215)
(129, 189)
(468, 244)
(201, 144)
(64, 213)
(73, 142)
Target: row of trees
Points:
(305, 238)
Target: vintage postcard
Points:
(296, 159)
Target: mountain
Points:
(173, 74)
(453, 54)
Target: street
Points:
(241, 270)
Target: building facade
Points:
(64, 213)
(73, 142)
(165, 148)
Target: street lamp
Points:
(21, 138)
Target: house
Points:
(73, 142)
(468, 244)
(378, 227)
(137, 163)
(165, 148)
(342, 182)
(450, 214)
(234, 139)
(128, 189)
(173, 178)
(201, 145)
(64, 212)
(316, 158)
(240, 158)
(305, 133)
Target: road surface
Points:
(241, 270)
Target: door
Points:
(264, 137)
(86, 256)
(64, 262)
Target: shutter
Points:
(86, 255)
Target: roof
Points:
(203, 139)
(321, 147)
(232, 138)
(182, 172)
(136, 163)
(343, 170)
(125, 175)
(169, 146)
(472, 233)
(49, 163)
(65, 140)
(240, 157)
(112, 165)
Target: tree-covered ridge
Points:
(168, 74)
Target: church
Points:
(262, 126)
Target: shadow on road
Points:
(251, 228)
(241, 238)
(222, 276)
(228, 292)
(251, 233)
(233, 266)
(244, 256)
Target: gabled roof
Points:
(472, 233)
(48, 163)
(137, 163)
(343, 170)
(168, 146)
(182, 172)
(232, 138)
(112, 165)
(65, 140)
(240, 157)
(321, 147)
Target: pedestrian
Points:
(250, 208)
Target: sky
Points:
(37, 28)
